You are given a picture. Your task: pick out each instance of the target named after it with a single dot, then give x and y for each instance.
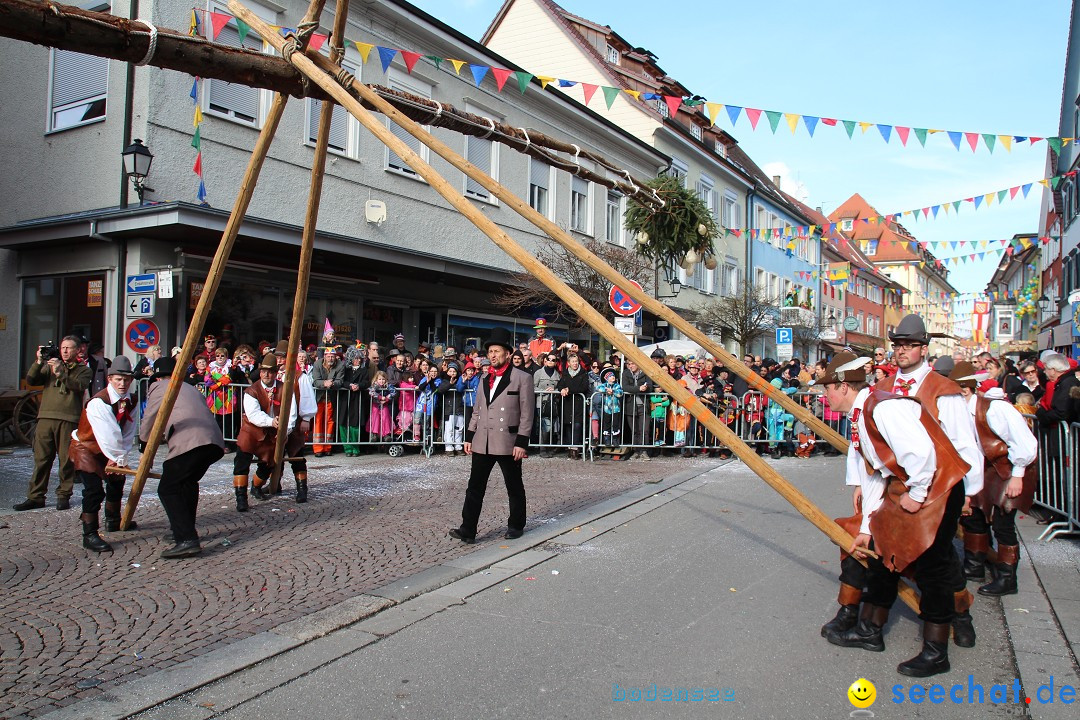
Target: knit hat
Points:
(607, 373)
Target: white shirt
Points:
(257, 417)
(901, 427)
(308, 406)
(114, 443)
(959, 426)
(1009, 425)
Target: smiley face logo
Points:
(862, 693)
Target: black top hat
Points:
(501, 337)
(163, 367)
(912, 329)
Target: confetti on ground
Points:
(504, 547)
(530, 578)
(506, 589)
(732, 589)
(275, 509)
(1023, 610)
(226, 542)
(554, 572)
(135, 565)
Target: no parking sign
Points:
(141, 334)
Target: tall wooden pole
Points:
(210, 288)
(307, 247)
(678, 392)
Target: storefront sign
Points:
(94, 293)
(194, 294)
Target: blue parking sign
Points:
(784, 336)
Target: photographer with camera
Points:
(64, 380)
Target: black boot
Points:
(934, 658)
(1004, 582)
(112, 518)
(867, 633)
(259, 492)
(301, 487)
(963, 630)
(90, 538)
(241, 499)
(975, 548)
(845, 619)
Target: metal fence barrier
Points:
(1059, 481)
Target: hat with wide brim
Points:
(911, 329)
(845, 367)
(501, 337)
(269, 362)
(966, 375)
(120, 366)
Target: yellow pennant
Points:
(792, 121)
(864, 126)
(713, 109)
(989, 198)
(1066, 141)
(198, 116)
(933, 132)
(544, 80)
(459, 63)
(1045, 183)
(364, 49)
(946, 207)
(633, 93)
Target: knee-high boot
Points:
(1004, 582)
(934, 658)
(112, 517)
(976, 545)
(848, 614)
(962, 625)
(240, 483)
(301, 487)
(90, 538)
(867, 633)
(258, 488)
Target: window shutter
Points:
(581, 186)
(339, 125)
(539, 173)
(78, 77)
(240, 99)
(478, 152)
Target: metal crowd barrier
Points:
(1059, 482)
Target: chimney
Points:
(776, 180)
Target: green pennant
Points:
(849, 125)
(435, 59)
(1055, 143)
(242, 29)
(956, 206)
(989, 139)
(921, 134)
(774, 118)
(524, 79)
(1055, 181)
(610, 93)
(1002, 194)
(196, 139)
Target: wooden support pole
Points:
(307, 248)
(678, 392)
(132, 471)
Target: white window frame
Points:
(871, 248)
(695, 130)
(399, 80)
(678, 169)
(352, 125)
(662, 107)
(619, 208)
(549, 191)
(847, 224)
(580, 216)
(471, 188)
(730, 210)
(613, 56)
(721, 148)
(262, 97)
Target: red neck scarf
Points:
(494, 374)
(903, 387)
(1048, 395)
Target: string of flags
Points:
(672, 103)
(196, 139)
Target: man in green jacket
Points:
(64, 380)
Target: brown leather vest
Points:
(260, 441)
(998, 469)
(900, 537)
(84, 450)
(928, 390)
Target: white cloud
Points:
(788, 182)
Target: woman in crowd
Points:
(326, 377)
(573, 385)
(355, 378)
(453, 410)
(220, 397)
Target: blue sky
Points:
(988, 67)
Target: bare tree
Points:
(743, 316)
(525, 293)
(806, 336)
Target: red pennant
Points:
(501, 74)
(1013, 191)
(1034, 139)
(738, 233)
(410, 59)
(903, 133)
(317, 41)
(198, 165)
(673, 104)
(218, 21)
(754, 116)
(829, 121)
(588, 90)
(972, 139)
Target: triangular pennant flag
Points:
(193, 26)
(589, 90)
(774, 118)
(317, 41)
(458, 64)
(1054, 182)
(810, 122)
(978, 201)
(733, 112)
(885, 130)
(197, 120)
(956, 207)
(386, 55)
(196, 139)
(903, 132)
(989, 197)
(242, 29)
(197, 169)
(673, 103)
(1033, 139)
(525, 78)
(972, 140)
(636, 94)
(501, 74)
(218, 21)
(792, 121)
(364, 49)
(545, 81)
(202, 192)
(1026, 188)
(955, 137)
(410, 58)
(435, 59)
(194, 94)
(1054, 143)
(849, 125)
(864, 126)
(920, 133)
(567, 83)
(1013, 191)
(712, 110)
(754, 115)
(1006, 140)
(610, 93)
(1001, 195)
(989, 140)
(935, 209)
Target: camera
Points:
(48, 352)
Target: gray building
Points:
(72, 230)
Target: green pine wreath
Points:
(679, 233)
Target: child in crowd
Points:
(380, 422)
(658, 405)
(424, 412)
(453, 410)
(406, 400)
(611, 406)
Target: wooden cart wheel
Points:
(24, 417)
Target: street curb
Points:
(384, 610)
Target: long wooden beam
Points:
(678, 392)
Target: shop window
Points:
(57, 306)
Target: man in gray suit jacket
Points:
(498, 432)
(195, 443)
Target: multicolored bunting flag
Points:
(197, 118)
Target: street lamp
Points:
(137, 158)
(671, 277)
(1044, 303)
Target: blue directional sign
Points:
(784, 336)
(142, 283)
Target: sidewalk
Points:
(707, 582)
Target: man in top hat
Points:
(910, 478)
(498, 432)
(540, 344)
(257, 438)
(195, 443)
(99, 446)
(1011, 476)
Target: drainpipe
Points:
(129, 112)
(751, 193)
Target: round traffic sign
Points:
(622, 303)
(141, 334)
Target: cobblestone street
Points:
(76, 622)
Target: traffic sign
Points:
(142, 283)
(140, 306)
(784, 352)
(784, 336)
(164, 284)
(141, 334)
(622, 303)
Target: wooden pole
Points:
(755, 381)
(307, 247)
(678, 392)
(131, 471)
